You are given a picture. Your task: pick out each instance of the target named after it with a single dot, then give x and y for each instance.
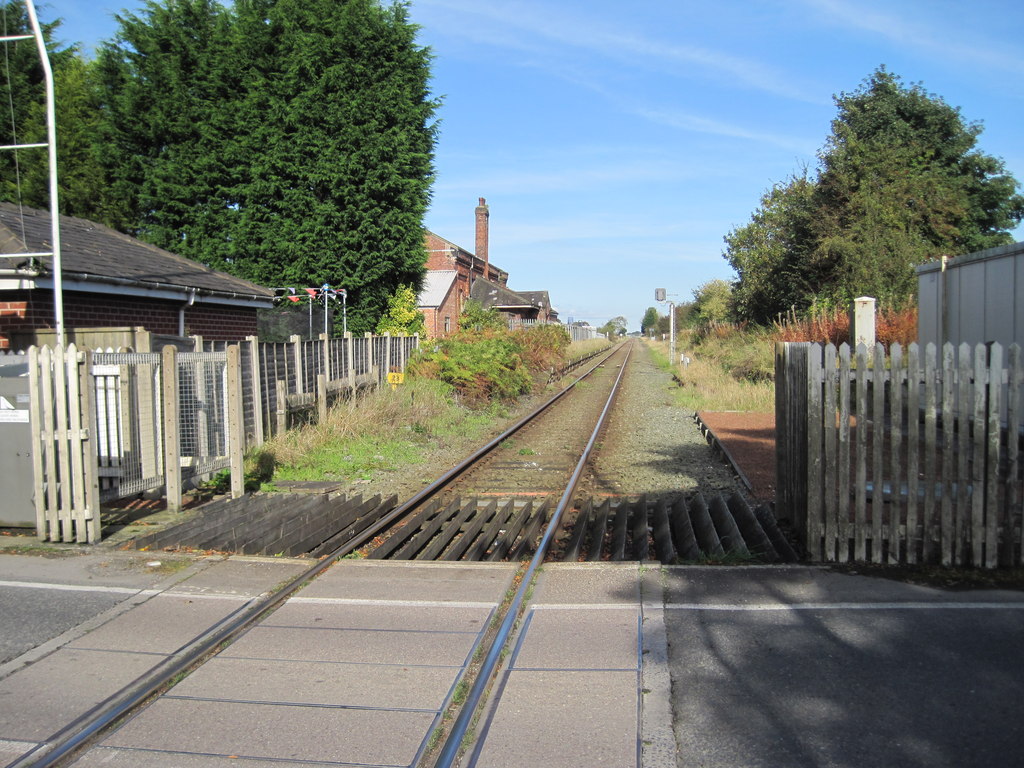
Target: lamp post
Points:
(660, 295)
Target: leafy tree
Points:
(614, 327)
(402, 317)
(474, 317)
(771, 253)
(712, 302)
(900, 182)
(649, 321)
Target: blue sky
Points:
(617, 143)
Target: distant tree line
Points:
(286, 142)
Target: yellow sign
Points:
(394, 379)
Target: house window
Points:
(447, 324)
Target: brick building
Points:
(455, 275)
(111, 279)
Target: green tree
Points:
(402, 316)
(771, 255)
(614, 327)
(25, 174)
(649, 321)
(475, 318)
(900, 181)
(712, 302)
(287, 142)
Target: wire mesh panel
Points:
(128, 422)
(202, 412)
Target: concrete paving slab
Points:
(408, 581)
(332, 614)
(580, 638)
(162, 624)
(384, 686)
(353, 646)
(40, 699)
(565, 719)
(12, 750)
(116, 757)
(577, 583)
(243, 576)
(359, 736)
(107, 568)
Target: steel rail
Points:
(453, 741)
(79, 731)
(435, 487)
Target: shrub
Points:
(481, 365)
(543, 346)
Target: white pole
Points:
(51, 135)
(672, 333)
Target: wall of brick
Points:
(24, 311)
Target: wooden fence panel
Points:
(1013, 498)
(833, 528)
(897, 476)
(66, 485)
(932, 449)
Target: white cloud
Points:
(496, 24)
(918, 34)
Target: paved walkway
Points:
(356, 669)
(761, 666)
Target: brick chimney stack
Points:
(482, 216)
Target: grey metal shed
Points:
(975, 298)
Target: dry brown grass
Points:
(833, 327)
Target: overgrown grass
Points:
(376, 431)
(733, 367)
(706, 384)
(456, 390)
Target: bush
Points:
(493, 363)
(481, 365)
(543, 346)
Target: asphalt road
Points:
(803, 667)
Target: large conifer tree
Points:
(286, 142)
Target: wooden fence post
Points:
(815, 488)
(791, 433)
(236, 421)
(90, 476)
(326, 369)
(321, 397)
(37, 408)
(172, 447)
(369, 354)
(282, 407)
(994, 366)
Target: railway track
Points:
(475, 512)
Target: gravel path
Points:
(654, 446)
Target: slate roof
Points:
(93, 251)
(493, 295)
(436, 285)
